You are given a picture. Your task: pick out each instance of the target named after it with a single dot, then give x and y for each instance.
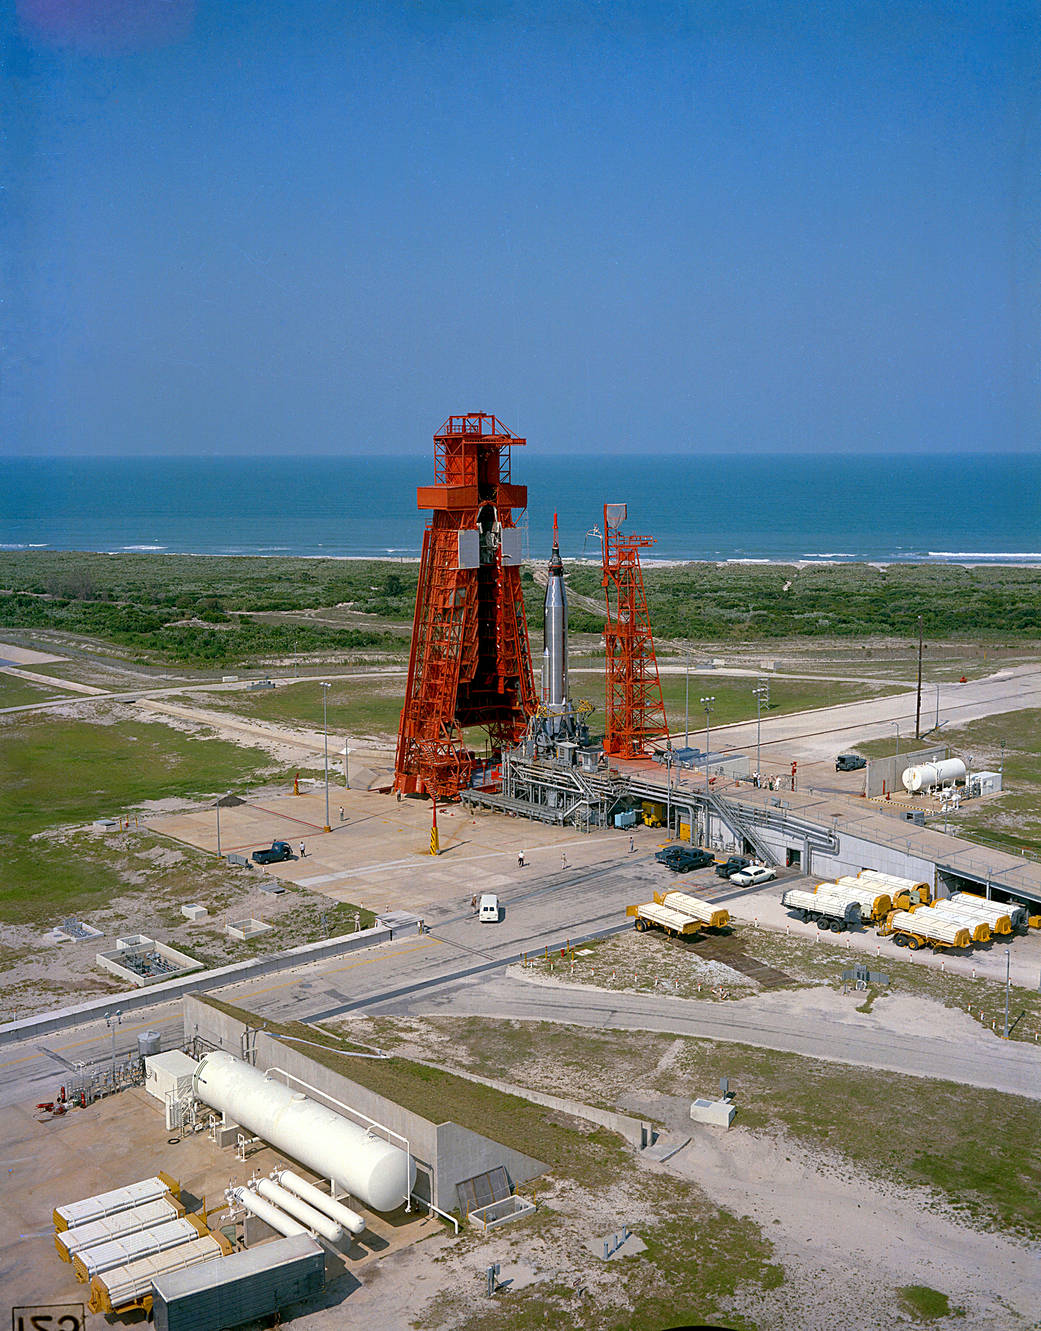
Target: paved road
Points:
(544, 911)
(842, 1037)
(820, 734)
(459, 968)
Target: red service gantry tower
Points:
(470, 663)
(635, 707)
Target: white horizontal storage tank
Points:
(704, 911)
(363, 1164)
(927, 775)
(343, 1215)
(309, 1216)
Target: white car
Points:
(488, 908)
(753, 874)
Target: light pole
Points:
(112, 1020)
(896, 727)
(937, 724)
(219, 798)
(325, 726)
(1003, 764)
(667, 758)
(707, 704)
(761, 691)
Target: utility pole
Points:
(707, 704)
(918, 707)
(114, 1019)
(686, 707)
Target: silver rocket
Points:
(554, 655)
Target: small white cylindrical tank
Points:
(321, 1201)
(265, 1211)
(927, 775)
(309, 1216)
(363, 1164)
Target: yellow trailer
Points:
(714, 917)
(651, 915)
(917, 891)
(924, 927)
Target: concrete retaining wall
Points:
(45, 1023)
(888, 771)
(635, 1131)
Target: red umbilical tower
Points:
(635, 707)
(470, 663)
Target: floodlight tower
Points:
(470, 663)
(635, 707)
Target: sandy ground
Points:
(25, 655)
(847, 1242)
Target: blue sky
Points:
(251, 227)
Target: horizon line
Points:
(621, 452)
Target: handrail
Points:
(356, 1113)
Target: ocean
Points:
(884, 508)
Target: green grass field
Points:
(364, 706)
(199, 611)
(372, 706)
(671, 1279)
(16, 692)
(904, 1129)
(59, 772)
(1011, 821)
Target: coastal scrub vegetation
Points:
(196, 610)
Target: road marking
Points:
(351, 965)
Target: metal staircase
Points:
(737, 824)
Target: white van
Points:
(488, 908)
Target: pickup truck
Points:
(732, 865)
(274, 854)
(682, 859)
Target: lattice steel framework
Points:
(470, 663)
(635, 707)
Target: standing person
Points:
(632, 845)
(302, 852)
(473, 903)
(520, 859)
(563, 860)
